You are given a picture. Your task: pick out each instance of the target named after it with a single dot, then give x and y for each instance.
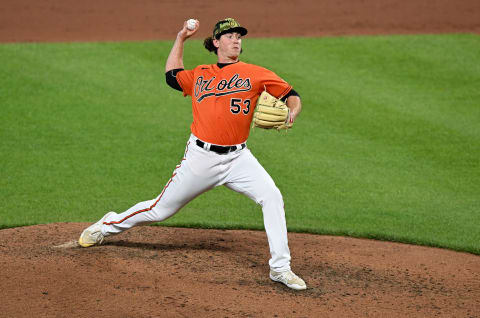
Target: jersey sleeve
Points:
(185, 80)
(274, 84)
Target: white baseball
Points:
(191, 24)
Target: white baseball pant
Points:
(201, 170)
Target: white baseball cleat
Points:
(288, 278)
(92, 235)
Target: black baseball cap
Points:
(226, 26)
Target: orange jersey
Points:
(223, 99)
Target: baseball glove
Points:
(271, 112)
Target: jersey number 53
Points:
(236, 106)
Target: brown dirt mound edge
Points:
(178, 272)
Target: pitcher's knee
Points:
(159, 213)
(272, 196)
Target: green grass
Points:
(387, 146)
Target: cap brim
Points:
(239, 29)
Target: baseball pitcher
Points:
(226, 98)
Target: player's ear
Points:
(216, 43)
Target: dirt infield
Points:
(118, 20)
(173, 272)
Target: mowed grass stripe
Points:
(387, 146)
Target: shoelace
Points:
(288, 276)
(96, 236)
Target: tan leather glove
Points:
(271, 112)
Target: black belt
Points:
(220, 149)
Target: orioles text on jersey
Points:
(203, 87)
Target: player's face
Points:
(229, 45)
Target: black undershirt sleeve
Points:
(291, 93)
(171, 79)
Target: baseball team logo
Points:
(204, 87)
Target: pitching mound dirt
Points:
(175, 272)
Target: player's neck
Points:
(227, 59)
